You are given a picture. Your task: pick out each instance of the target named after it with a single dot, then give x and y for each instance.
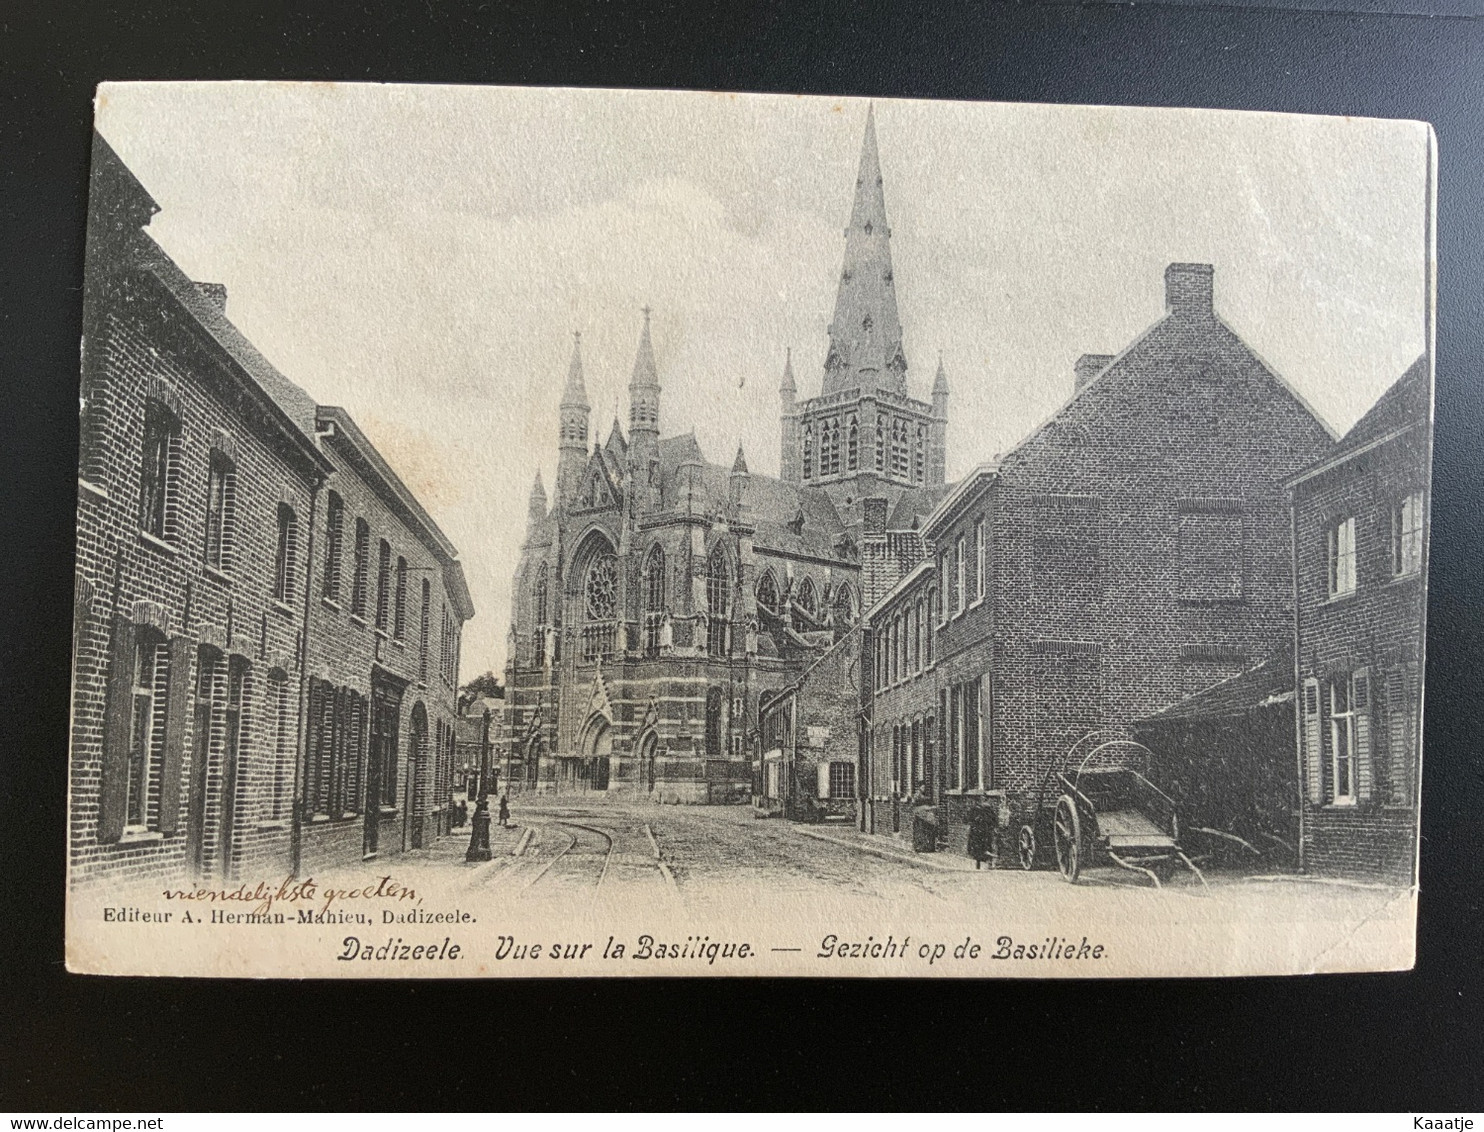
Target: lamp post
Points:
(479, 837)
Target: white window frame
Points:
(960, 576)
(1342, 726)
(1340, 557)
(979, 561)
(1406, 536)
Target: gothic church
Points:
(658, 594)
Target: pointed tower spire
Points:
(788, 422)
(644, 390)
(536, 507)
(938, 429)
(739, 465)
(575, 393)
(866, 332)
(572, 438)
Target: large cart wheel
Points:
(1068, 835)
(1025, 846)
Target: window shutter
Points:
(1360, 704)
(822, 778)
(178, 711)
(117, 729)
(1398, 736)
(1313, 746)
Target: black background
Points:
(1399, 1041)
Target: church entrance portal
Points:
(597, 752)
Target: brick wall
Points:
(226, 818)
(1376, 630)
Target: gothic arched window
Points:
(599, 604)
(809, 450)
(899, 464)
(844, 605)
(852, 444)
(654, 599)
(718, 601)
(806, 597)
(829, 447)
(767, 592)
(919, 454)
(881, 444)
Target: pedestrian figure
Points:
(505, 809)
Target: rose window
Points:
(601, 588)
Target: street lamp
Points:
(479, 837)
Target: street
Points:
(573, 854)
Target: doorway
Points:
(648, 749)
(381, 766)
(597, 751)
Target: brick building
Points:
(382, 698)
(659, 595)
(810, 735)
(1359, 583)
(201, 628)
(197, 476)
(1131, 551)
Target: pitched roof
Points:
(1269, 683)
(1405, 405)
(296, 407)
(1407, 402)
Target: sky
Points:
(421, 256)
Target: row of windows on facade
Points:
(158, 508)
(390, 611)
(904, 643)
(161, 486)
(1400, 537)
(143, 764)
(600, 604)
(1345, 765)
(955, 732)
(900, 447)
(345, 772)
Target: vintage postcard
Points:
(535, 532)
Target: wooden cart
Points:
(1098, 806)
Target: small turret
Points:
(739, 482)
(572, 446)
(938, 432)
(790, 468)
(536, 508)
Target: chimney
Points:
(1088, 366)
(873, 514)
(1188, 289)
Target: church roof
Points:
(914, 507)
(866, 332)
(787, 517)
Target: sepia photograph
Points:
(552, 532)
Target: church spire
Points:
(644, 389)
(575, 394)
(866, 333)
(572, 437)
